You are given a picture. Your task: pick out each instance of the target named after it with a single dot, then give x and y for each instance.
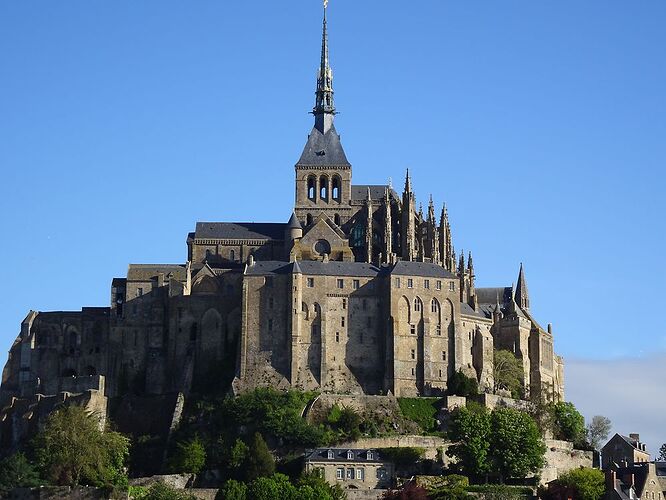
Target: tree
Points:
(17, 472)
(461, 385)
(233, 490)
(508, 373)
(469, 430)
(312, 485)
(662, 452)
(349, 422)
(451, 487)
(190, 457)
(271, 488)
(516, 448)
(589, 484)
(162, 491)
(259, 461)
(569, 423)
(71, 449)
(597, 431)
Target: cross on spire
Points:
(324, 108)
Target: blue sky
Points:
(541, 124)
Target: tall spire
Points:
(408, 182)
(522, 297)
(324, 109)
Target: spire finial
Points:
(408, 182)
(324, 109)
(522, 295)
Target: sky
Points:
(542, 125)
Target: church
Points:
(358, 292)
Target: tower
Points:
(522, 297)
(388, 228)
(408, 226)
(323, 174)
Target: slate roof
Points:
(466, 309)
(425, 269)
(240, 230)
(293, 222)
(359, 192)
(323, 150)
(314, 268)
(145, 272)
(340, 455)
(489, 295)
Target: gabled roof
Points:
(323, 150)
(146, 272)
(340, 455)
(240, 230)
(313, 268)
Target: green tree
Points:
(190, 457)
(589, 484)
(461, 385)
(516, 447)
(238, 454)
(508, 373)
(569, 423)
(271, 488)
(71, 449)
(349, 422)
(17, 472)
(233, 490)
(259, 461)
(313, 486)
(662, 452)
(469, 430)
(597, 431)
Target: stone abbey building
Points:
(359, 292)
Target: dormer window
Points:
(370, 455)
(329, 454)
(350, 455)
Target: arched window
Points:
(312, 188)
(434, 306)
(323, 188)
(417, 304)
(357, 238)
(336, 189)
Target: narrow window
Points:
(417, 304)
(139, 292)
(426, 284)
(350, 455)
(370, 456)
(412, 329)
(308, 220)
(342, 321)
(310, 282)
(443, 355)
(339, 473)
(341, 283)
(440, 373)
(350, 471)
(397, 282)
(344, 303)
(413, 354)
(413, 372)
(232, 255)
(337, 337)
(438, 285)
(410, 283)
(452, 286)
(330, 454)
(360, 474)
(336, 219)
(434, 305)
(438, 330)
(270, 325)
(357, 284)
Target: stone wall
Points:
(431, 444)
(561, 457)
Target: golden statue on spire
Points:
(325, 3)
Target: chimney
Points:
(610, 480)
(635, 437)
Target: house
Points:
(351, 468)
(620, 449)
(639, 481)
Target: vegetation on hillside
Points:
(423, 411)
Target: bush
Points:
(451, 487)
(17, 472)
(259, 461)
(402, 456)
(190, 457)
(409, 492)
(162, 491)
(233, 490)
(422, 411)
(588, 483)
(501, 492)
(569, 423)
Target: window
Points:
(412, 329)
(270, 325)
(350, 471)
(339, 473)
(311, 188)
(360, 474)
(344, 303)
(443, 355)
(341, 283)
(139, 292)
(370, 455)
(350, 455)
(310, 282)
(438, 330)
(357, 284)
(410, 283)
(336, 219)
(434, 305)
(337, 337)
(413, 371)
(381, 473)
(440, 373)
(413, 353)
(397, 282)
(438, 285)
(232, 255)
(426, 284)
(330, 454)
(417, 304)
(452, 286)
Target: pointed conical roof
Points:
(294, 223)
(296, 269)
(522, 296)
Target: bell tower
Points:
(323, 174)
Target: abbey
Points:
(359, 292)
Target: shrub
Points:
(17, 472)
(233, 490)
(162, 491)
(461, 385)
(422, 411)
(190, 457)
(402, 456)
(259, 461)
(588, 483)
(451, 487)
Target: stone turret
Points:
(408, 226)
